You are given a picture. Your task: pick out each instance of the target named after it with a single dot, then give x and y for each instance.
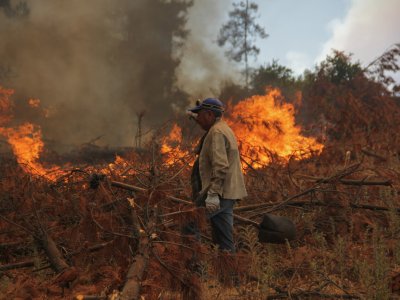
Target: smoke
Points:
(94, 64)
(204, 68)
(369, 28)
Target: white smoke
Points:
(368, 29)
(203, 64)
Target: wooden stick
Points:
(11, 244)
(351, 205)
(370, 153)
(55, 257)
(252, 206)
(362, 182)
(31, 263)
(131, 289)
(92, 248)
(25, 264)
(238, 218)
(127, 186)
(89, 297)
(306, 294)
(349, 181)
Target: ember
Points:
(34, 102)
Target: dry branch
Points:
(92, 248)
(335, 177)
(127, 186)
(11, 244)
(55, 257)
(316, 203)
(362, 182)
(307, 295)
(350, 181)
(370, 153)
(237, 217)
(131, 289)
(25, 264)
(138, 189)
(89, 297)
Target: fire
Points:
(34, 102)
(26, 143)
(25, 140)
(171, 146)
(264, 126)
(120, 165)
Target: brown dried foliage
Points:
(338, 237)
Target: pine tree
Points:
(240, 32)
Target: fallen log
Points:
(127, 186)
(31, 263)
(25, 264)
(311, 295)
(363, 182)
(317, 203)
(11, 244)
(54, 255)
(349, 181)
(131, 289)
(288, 200)
(373, 154)
(90, 297)
(91, 248)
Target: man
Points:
(217, 177)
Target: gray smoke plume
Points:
(94, 64)
(204, 68)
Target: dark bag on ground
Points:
(276, 229)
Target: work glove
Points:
(212, 203)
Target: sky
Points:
(301, 34)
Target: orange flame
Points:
(25, 140)
(34, 102)
(264, 127)
(171, 146)
(120, 165)
(26, 143)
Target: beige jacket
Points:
(219, 163)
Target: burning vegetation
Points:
(118, 230)
(320, 155)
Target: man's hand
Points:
(212, 203)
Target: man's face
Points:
(205, 118)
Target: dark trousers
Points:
(222, 225)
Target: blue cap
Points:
(209, 104)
